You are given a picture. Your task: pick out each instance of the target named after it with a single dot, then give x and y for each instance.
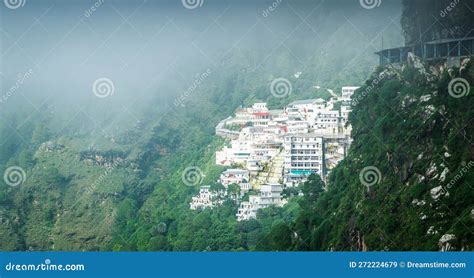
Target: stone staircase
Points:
(276, 169)
(274, 174)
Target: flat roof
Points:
(304, 101)
(236, 171)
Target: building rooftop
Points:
(261, 113)
(236, 171)
(275, 112)
(304, 101)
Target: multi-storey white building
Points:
(303, 157)
(347, 93)
(346, 129)
(259, 107)
(248, 210)
(256, 144)
(236, 176)
(307, 104)
(206, 199)
(315, 137)
(327, 122)
(238, 153)
(270, 195)
(335, 150)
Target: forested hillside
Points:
(105, 178)
(417, 194)
(407, 181)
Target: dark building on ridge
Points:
(444, 50)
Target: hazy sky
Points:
(58, 49)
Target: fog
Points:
(52, 52)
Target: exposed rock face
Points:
(51, 146)
(436, 192)
(416, 62)
(106, 159)
(403, 127)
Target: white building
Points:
(261, 118)
(297, 123)
(259, 107)
(346, 129)
(248, 210)
(270, 195)
(327, 122)
(238, 153)
(335, 150)
(205, 199)
(315, 137)
(301, 105)
(256, 144)
(347, 93)
(236, 176)
(303, 157)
